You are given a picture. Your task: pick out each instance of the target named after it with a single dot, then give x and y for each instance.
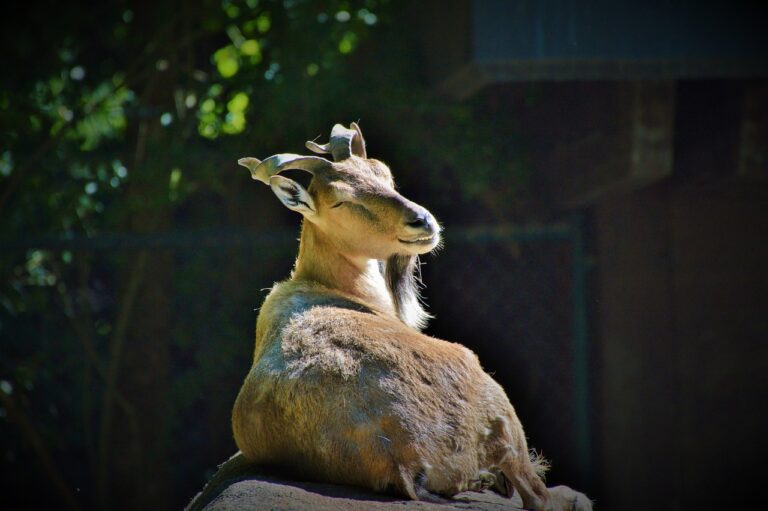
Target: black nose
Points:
(422, 220)
(419, 222)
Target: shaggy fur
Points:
(400, 273)
(345, 389)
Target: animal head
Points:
(351, 200)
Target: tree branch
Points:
(118, 339)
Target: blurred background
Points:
(601, 170)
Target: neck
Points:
(320, 261)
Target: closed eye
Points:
(363, 211)
(337, 204)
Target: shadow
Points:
(237, 469)
(325, 489)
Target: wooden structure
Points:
(651, 121)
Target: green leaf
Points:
(348, 42)
(263, 23)
(238, 103)
(251, 48)
(226, 60)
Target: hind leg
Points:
(411, 484)
(520, 472)
(538, 497)
(511, 455)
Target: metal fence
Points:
(516, 295)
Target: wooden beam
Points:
(753, 138)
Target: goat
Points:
(344, 388)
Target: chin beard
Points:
(400, 273)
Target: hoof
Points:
(562, 498)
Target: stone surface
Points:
(274, 494)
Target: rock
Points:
(237, 486)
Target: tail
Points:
(540, 463)
(236, 467)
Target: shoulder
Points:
(304, 317)
(287, 300)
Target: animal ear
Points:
(358, 142)
(293, 195)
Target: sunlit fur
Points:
(345, 389)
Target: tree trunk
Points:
(138, 472)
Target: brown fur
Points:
(344, 388)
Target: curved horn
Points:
(344, 143)
(263, 170)
(317, 148)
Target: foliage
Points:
(122, 117)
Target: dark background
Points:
(599, 168)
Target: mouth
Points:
(424, 240)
